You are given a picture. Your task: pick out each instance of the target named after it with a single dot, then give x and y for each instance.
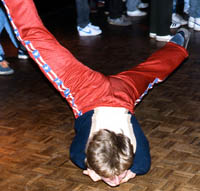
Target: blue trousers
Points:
(131, 5)
(5, 24)
(83, 13)
(194, 10)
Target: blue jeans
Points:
(83, 12)
(131, 5)
(180, 2)
(4, 23)
(186, 6)
(194, 10)
(174, 6)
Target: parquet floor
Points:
(36, 124)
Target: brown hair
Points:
(108, 153)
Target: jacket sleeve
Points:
(142, 158)
(77, 149)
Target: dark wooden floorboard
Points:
(36, 123)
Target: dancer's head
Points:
(109, 154)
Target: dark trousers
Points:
(160, 17)
(83, 13)
(115, 8)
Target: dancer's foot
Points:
(182, 37)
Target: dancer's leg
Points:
(76, 82)
(155, 69)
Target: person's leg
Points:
(107, 7)
(4, 65)
(131, 5)
(194, 13)
(194, 10)
(153, 18)
(93, 6)
(186, 6)
(138, 80)
(162, 14)
(83, 12)
(5, 22)
(177, 19)
(115, 14)
(2, 23)
(197, 14)
(84, 27)
(174, 6)
(132, 8)
(77, 83)
(115, 7)
(2, 54)
(164, 17)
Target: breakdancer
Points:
(109, 143)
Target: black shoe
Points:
(23, 54)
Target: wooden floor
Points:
(36, 123)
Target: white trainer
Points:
(197, 24)
(165, 38)
(89, 30)
(93, 26)
(152, 35)
(175, 25)
(136, 13)
(176, 18)
(191, 22)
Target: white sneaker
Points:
(136, 13)
(176, 18)
(175, 25)
(89, 30)
(197, 24)
(191, 22)
(93, 26)
(152, 35)
(143, 5)
(165, 38)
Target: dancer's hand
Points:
(124, 177)
(92, 174)
(128, 176)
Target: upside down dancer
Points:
(109, 144)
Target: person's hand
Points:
(124, 177)
(128, 176)
(92, 174)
